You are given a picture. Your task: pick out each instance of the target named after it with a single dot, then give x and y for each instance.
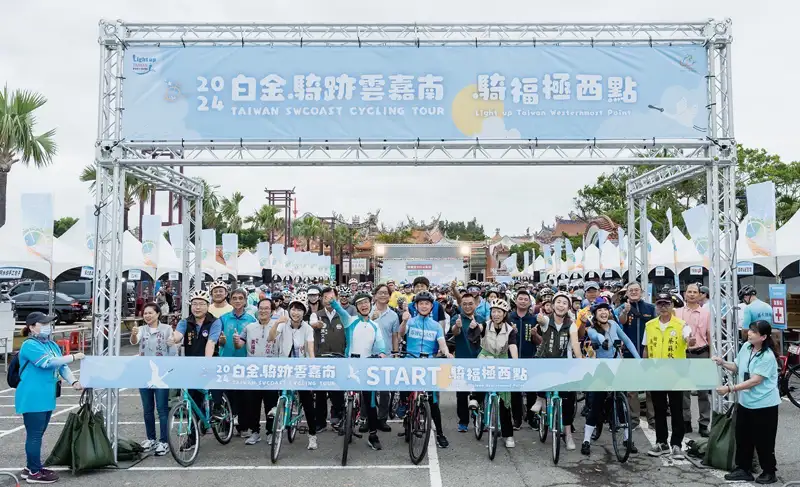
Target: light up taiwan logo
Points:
(148, 248)
(143, 64)
(757, 233)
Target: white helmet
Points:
(200, 294)
(299, 298)
(499, 303)
(216, 284)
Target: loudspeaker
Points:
(266, 276)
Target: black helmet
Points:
(360, 296)
(747, 290)
(424, 296)
(600, 303)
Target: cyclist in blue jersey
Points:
(425, 337)
(755, 309)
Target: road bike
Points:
(789, 376)
(184, 433)
(616, 412)
(487, 418)
(551, 419)
(417, 421)
(288, 415)
(352, 413)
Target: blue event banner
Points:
(398, 374)
(408, 93)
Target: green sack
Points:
(91, 448)
(697, 448)
(128, 450)
(721, 449)
(62, 451)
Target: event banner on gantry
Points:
(397, 374)
(200, 93)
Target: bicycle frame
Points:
(551, 396)
(291, 398)
(487, 407)
(203, 416)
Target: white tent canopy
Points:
(609, 258)
(248, 264)
(15, 253)
(132, 257)
(788, 242)
(168, 261)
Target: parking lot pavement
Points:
(464, 463)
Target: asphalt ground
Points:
(464, 463)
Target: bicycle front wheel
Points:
(222, 423)
(477, 417)
(792, 382)
(557, 429)
(278, 425)
(494, 425)
(348, 430)
(544, 423)
(184, 436)
(420, 431)
(295, 416)
(620, 427)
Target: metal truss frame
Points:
(116, 156)
(720, 174)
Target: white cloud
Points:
(495, 128)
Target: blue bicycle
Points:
(551, 419)
(288, 415)
(184, 433)
(487, 418)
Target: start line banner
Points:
(199, 93)
(398, 374)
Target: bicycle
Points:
(787, 373)
(288, 415)
(185, 416)
(551, 419)
(617, 414)
(487, 418)
(417, 421)
(352, 413)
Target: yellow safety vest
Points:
(668, 343)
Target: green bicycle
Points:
(488, 418)
(184, 433)
(550, 419)
(288, 415)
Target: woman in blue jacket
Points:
(41, 364)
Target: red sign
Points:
(778, 316)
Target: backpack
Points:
(14, 373)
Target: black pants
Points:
(676, 415)
(436, 413)
(321, 406)
(462, 407)
(237, 398)
(756, 429)
(520, 411)
(506, 428)
(568, 400)
(252, 410)
(307, 403)
(596, 402)
(369, 403)
(198, 397)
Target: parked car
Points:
(28, 286)
(80, 290)
(67, 309)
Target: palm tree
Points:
(266, 220)
(211, 204)
(135, 190)
(229, 213)
(18, 143)
(309, 227)
(398, 236)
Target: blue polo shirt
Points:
(756, 310)
(763, 395)
(230, 324)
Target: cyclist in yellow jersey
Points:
(394, 293)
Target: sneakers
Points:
(268, 438)
(766, 478)
(188, 443)
(538, 405)
(322, 427)
(162, 448)
(463, 428)
(570, 442)
(473, 404)
(271, 413)
(677, 453)
(363, 428)
(517, 426)
(374, 442)
(633, 447)
(383, 426)
(510, 442)
(245, 433)
(401, 410)
(335, 422)
(739, 474)
(585, 448)
(312, 442)
(658, 450)
(253, 439)
(148, 445)
(42, 477)
(441, 441)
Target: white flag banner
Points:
(37, 224)
(90, 228)
(151, 235)
(175, 233)
(230, 251)
(209, 245)
(262, 253)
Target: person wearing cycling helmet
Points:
(219, 298)
(498, 339)
(295, 338)
(394, 293)
(314, 303)
(554, 330)
(425, 336)
(464, 316)
(364, 339)
(524, 320)
(754, 309)
(603, 332)
(576, 303)
(421, 284)
(353, 285)
(201, 334)
(344, 300)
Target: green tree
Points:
(249, 238)
(135, 191)
(756, 166)
(469, 231)
(63, 224)
(397, 236)
(309, 227)
(265, 220)
(230, 219)
(520, 249)
(18, 141)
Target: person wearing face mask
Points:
(314, 303)
(41, 367)
(554, 330)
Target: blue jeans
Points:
(153, 399)
(35, 426)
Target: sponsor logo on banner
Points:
(696, 270)
(744, 268)
(142, 64)
(10, 272)
(134, 275)
(397, 374)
